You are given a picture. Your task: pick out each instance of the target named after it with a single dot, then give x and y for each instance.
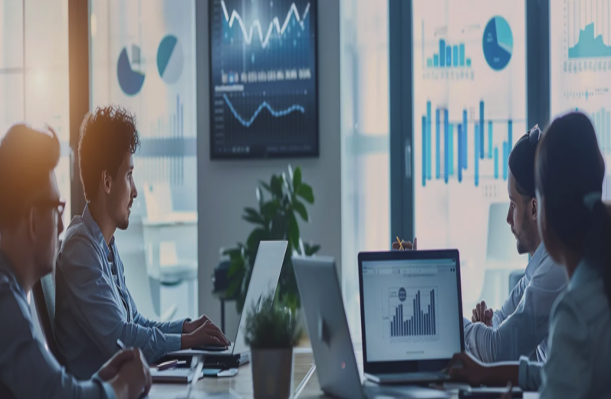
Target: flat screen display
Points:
(263, 79)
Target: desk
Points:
(305, 383)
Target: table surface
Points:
(305, 383)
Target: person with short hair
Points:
(30, 224)
(94, 306)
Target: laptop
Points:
(336, 365)
(411, 314)
(264, 279)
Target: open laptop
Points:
(336, 365)
(411, 314)
(264, 279)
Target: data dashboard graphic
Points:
(263, 76)
(170, 59)
(498, 43)
(130, 79)
(467, 119)
(413, 313)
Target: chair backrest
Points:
(44, 298)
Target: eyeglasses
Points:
(57, 204)
(534, 135)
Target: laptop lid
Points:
(264, 279)
(411, 310)
(323, 306)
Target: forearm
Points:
(502, 373)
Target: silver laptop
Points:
(264, 279)
(336, 365)
(411, 314)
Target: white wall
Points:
(226, 187)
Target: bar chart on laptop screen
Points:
(412, 315)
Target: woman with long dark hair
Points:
(576, 228)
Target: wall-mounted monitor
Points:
(263, 79)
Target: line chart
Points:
(265, 104)
(256, 25)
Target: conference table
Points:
(305, 383)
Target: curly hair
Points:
(27, 156)
(106, 135)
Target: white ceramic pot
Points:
(272, 373)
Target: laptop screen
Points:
(410, 309)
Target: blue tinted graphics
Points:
(263, 71)
(130, 80)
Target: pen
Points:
(400, 243)
(120, 344)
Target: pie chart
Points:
(170, 59)
(130, 81)
(498, 43)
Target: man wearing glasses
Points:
(30, 225)
(520, 327)
(94, 306)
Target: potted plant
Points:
(281, 202)
(271, 332)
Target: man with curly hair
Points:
(93, 305)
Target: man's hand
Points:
(110, 369)
(482, 314)
(205, 335)
(133, 379)
(464, 367)
(189, 326)
(405, 245)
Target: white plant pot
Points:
(272, 373)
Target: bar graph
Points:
(602, 124)
(587, 29)
(452, 137)
(450, 55)
(417, 318)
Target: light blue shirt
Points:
(27, 369)
(94, 307)
(579, 360)
(521, 325)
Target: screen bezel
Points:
(315, 152)
(406, 366)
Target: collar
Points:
(8, 267)
(584, 273)
(92, 225)
(539, 254)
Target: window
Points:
(143, 58)
(34, 74)
(365, 141)
(469, 98)
(580, 63)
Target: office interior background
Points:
(419, 103)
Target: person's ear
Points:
(534, 208)
(106, 181)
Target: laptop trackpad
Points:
(402, 391)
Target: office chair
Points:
(44, 299)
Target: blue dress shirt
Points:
(521, 325)
(27, 369)
(94, 307)
(579, 359)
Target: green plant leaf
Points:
(305, 192)
(276, 186)
(300, 208)
(237, 266)
(270, 209)
(252, 216)
(311, 249)
(266, 186)
(297, 178)
(232, 290)
(256, 237)
(294, 232)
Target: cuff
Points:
(175, 327)
(523, 373)
(173, 342)
(108, 392)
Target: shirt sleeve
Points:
(28, 370)
(529, 377)
(521, 332)
(511, 304)
(567, 372)
(99, 312)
